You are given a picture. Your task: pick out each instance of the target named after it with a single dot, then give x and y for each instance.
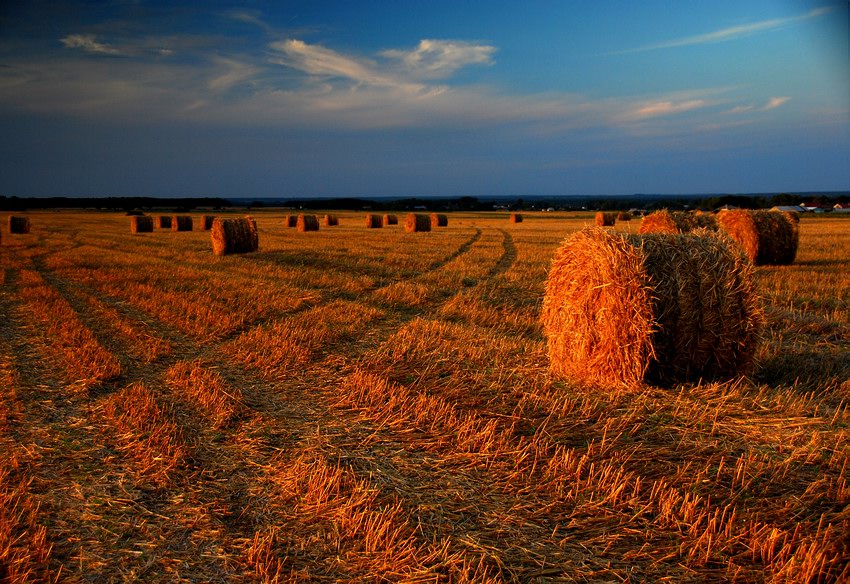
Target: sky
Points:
(410, 98)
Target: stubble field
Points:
(368, 404)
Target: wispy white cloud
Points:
(666, 108)
(733, 32)
(775, 102)
(772, 103)
(320, 61)
(88, 43)
(440, 58)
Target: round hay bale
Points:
(516, 218)
(374, 221)
(623, 309)
(665, 221)
(767, 237)
(605, 219)
(141, 224)
(19, 224)
(181, 223)
(163, 222)
(207, 222)
(230, 236)
(330, 220)
(624, 216)
(390, 220)
(417, 222)
(307, 223)
(291, 220)
(439, 220)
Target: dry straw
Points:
(516, 218)
(373, 221)
(181, 223)
(291, 220)
(207, 222)
(141, 224)
(390, 220)
(163, 222)
(622, 309)
(417, 222)
(605, 219)
(19, 224)
(665, 221)
(307, 223)
(439, 220)
(231, 236)
(767, 237)
(330, 220)
(624, 216)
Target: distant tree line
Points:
(109, 203)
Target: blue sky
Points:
(412, 98)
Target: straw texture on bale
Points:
(374, 221)
(141, 224)
(605, 219)
(181, 223)
(439, 220)
(767, 237)
(390, 220)
(624, 216)
(163, 222)
(665, 221)
(291, 220)
(516, 218)
(230, 236)
(18, 224)
(417, 222)
(623, 309)
(330, 220)
(207, 222)
(307, 223)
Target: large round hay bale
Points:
(605, 219)
(330, 220)
(141, 224)
(231, 236)
(767, 237)
(390, 220)
(665, 221)
(291, 220)
(439, 220)
(516, 218)
(374, 221)
(207, 222)
(622, 309)
(624, 216)
(307, 223)
(19, 224)
(163, 222)
(181, 223)
(417, 222)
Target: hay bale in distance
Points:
(141, 224)
(163, 222)
(330, 220)
(390, 220)
(19, 224)
(767, 237)
(207, 222)
(231, 236)
(624, 216)
(307, 223)
(605, 219)
(417, 222)
(439, 220)
(373, 221)
(291, 220)
(181, 223)
(665, 221)
(516, 218)
(622, 309)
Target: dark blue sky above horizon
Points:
(403, 98)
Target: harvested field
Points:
(369, 405)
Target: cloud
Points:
(775, 102)
(88, 43)
(319, 61)
(733, 32)
(440, 58)
(666, 108)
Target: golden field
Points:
(358, 404)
